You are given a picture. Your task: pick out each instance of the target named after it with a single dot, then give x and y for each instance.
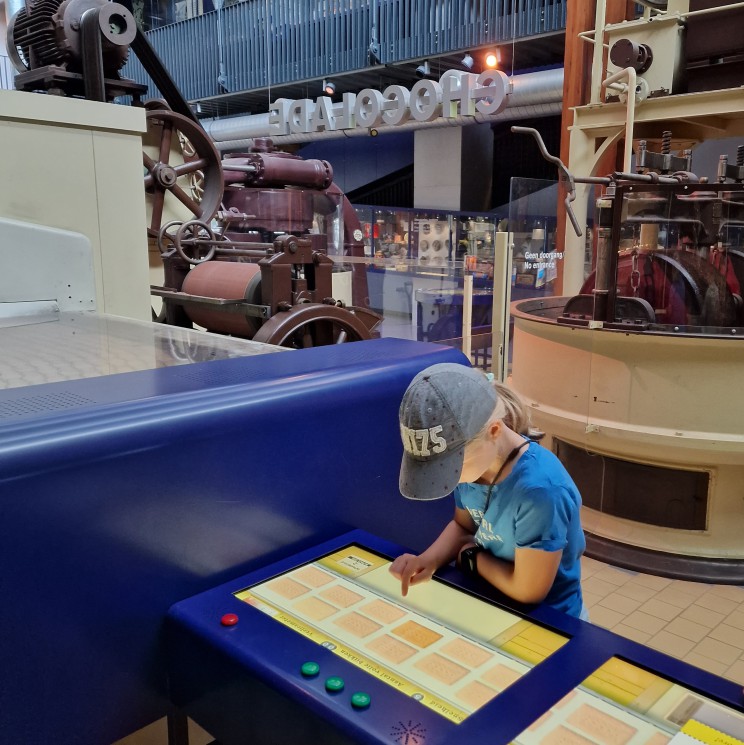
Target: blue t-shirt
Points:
(536, 506)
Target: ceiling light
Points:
(329, 87)
(467, 61)
(493, 59)
(423, 70)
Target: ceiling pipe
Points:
(535, 94)
(511, 114)
(12, 7)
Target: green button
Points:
(310, 669)
(360, 700)
(334, 684)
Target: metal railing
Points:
(261, 43)
(7, 73)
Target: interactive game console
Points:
(322, 647)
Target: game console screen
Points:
(440, 645)
(623, 704)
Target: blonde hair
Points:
(510, 409)
(515, 414)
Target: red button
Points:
(229, 619)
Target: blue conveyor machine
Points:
(123, 494)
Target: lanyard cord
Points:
(509, 458)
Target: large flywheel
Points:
(317, 324)
(183, 172)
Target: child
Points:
(516, 521)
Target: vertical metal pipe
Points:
(93, 75)
(602, 278)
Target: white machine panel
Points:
(45, 264)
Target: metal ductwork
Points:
(13, 6)
(536, 94)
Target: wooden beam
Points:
(577, 66)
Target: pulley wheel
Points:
(183, 173)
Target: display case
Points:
(475, 243)
(432, 238)
(386, 232)
(322, 647)
(418, 263)
(133, 479)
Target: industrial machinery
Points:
(252, 256)
(640, 399)
(245, 244)
(73, 47)
(670, 248)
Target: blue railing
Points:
(261, 43)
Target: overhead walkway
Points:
(235, 59)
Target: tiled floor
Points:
(700, 623)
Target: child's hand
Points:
(411, 570)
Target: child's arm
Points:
(411, 569)
(528, 579)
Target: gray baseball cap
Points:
(445, 406)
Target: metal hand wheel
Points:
(194, 242)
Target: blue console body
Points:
(245, 682)
(122, 494)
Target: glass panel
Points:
(71, 346)
(366, 219)
(411, 271)
(398, 287)
(678, 256)
(532, 221)
(416, 270)
(327, 220)
(420, 301)
(537, 251)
